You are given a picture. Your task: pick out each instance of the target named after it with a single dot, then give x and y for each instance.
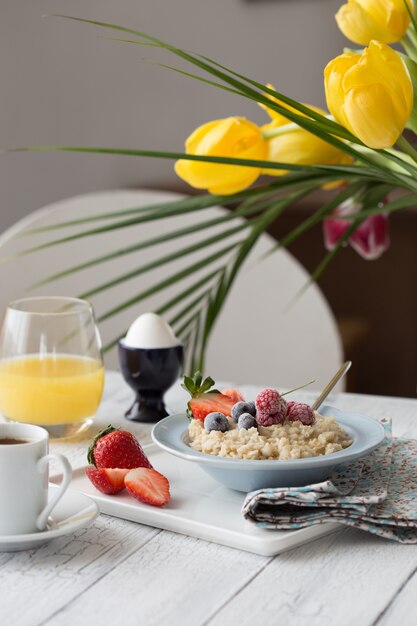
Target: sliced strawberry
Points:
(107, 480)
(233, 394)
(205, 399)
(209, 403)
(148, 486)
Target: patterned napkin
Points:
(377, 494)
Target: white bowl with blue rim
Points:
(171, 434)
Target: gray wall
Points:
(66, 83)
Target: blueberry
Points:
(243, 407)
(246, 421)
(216, 421)
(251, 408)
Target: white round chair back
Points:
(258, 337)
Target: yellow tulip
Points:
(364, 20)
(231, 137)
(371, 94)
(274, 115)
(300, 147)
(297, 146)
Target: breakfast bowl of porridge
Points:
(268, 442)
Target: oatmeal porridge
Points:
(289, 440)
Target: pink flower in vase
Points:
(369, 240)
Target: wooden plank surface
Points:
(118, 572)
(36, 584)
(343, 579)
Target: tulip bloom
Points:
(371, 94)
(296, 145)
(364, 20)
(300, 147)
(232, 137)
(369, 240)
(274, 115)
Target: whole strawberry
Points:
(301, 412)
(271, 408)
(115, 448)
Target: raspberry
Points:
(301, 412)
(265, 419)
(267, 401)
(271, 408)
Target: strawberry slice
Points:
(148, 486)
(233, 394)
(204, 399)
(209, 403)
(107, 480)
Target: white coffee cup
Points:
(24, 506)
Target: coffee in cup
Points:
(24, 461)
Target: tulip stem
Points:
(381, 160)
(281, 130)
(407, 147)
(408, 47)
(412, 15)
(284, 129)
(412, 38)
(409, 43)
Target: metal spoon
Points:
(339, 374)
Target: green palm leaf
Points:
(206, 64)
(168, 282)
(164, 260)
(179, 298)
(197, 203)
(317, 217)
(246, 212)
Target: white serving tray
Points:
(199, 507)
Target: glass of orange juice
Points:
(51, 365)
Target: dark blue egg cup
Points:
(150, 372)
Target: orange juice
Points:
(59, 389)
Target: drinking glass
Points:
(51, 365)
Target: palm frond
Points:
(168, 282)
(207, 299)
(217, 302)
(174, 256)
(195, 307)
(319, 125)
(179, 298)
(317, 216)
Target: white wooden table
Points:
(122, 573)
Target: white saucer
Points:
(74, 511)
